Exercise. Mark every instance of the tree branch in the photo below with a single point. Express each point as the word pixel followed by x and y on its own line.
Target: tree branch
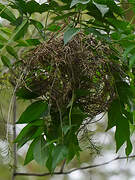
pixel 70 171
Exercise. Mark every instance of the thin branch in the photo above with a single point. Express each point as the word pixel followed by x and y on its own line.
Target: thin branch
pixel 76 169
pixel 14 137
pixel 63 165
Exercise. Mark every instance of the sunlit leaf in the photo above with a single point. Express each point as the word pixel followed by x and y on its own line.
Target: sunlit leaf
pixel 74 2
pixel 71 32
pixel 102 8
pixel 20 30
pixel 12 51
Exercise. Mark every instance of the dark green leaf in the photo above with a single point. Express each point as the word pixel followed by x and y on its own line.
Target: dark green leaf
pixel 65 129
pixel 63 16
pixel 26 131
pixel 53 28
pixel 73 147
pixel 27 137
pixel 33 112
pixel 129 147
pixel 77 118
pixel 24 93
pixel 69 34
pixel 6 13
pixel 113 113
pixel 122 131
pixel 33 42
pixel 33 6
pixel 82 92
pixel 6 61
pixel 37 24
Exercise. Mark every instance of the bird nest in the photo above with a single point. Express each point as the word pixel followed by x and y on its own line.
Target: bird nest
pixel 81 68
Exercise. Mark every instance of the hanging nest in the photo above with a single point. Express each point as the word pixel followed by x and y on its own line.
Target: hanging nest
pixel 81 67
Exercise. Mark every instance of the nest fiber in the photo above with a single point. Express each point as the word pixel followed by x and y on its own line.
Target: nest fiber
pixel 81 68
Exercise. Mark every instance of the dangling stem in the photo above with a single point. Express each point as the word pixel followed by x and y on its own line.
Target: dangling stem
pixel 70 111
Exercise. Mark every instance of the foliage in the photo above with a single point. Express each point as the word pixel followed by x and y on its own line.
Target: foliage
pixel 53 130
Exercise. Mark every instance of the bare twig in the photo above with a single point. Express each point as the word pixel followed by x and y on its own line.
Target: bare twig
pixel 63 165
pixel 14 136
pixel 76 169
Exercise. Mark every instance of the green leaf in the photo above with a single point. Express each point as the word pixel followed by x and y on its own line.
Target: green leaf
pixel 129 148
pixel 20 31
pixel 27 137
pixel 33 112
pixel 26 131
pixel 24 93
pixel 69 34
pixel 82 92
pixel 113 113
pixel 22 43
pixel 74 2
pixel 6 61
pixel 3 39
pixel 6 13
pixel 118 24
pixel 59 153
pixel 65 129
pixel 73 147
pixel 29 156
pixel 128 49
pixel 6 30
pixel 77 118
pixel 122 133
pixel 33 42
pixel 11 51
pixel 39 26
pixel 28 42
pixel 102 8
pixel 33 6
pixel 53 28
pixel 132 61
pixel 40 151
pixel 29 132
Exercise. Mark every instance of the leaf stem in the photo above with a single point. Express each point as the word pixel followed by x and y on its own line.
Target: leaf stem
pixel 70 111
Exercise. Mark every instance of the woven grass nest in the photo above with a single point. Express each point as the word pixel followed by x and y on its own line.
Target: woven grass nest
pixel 81 67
